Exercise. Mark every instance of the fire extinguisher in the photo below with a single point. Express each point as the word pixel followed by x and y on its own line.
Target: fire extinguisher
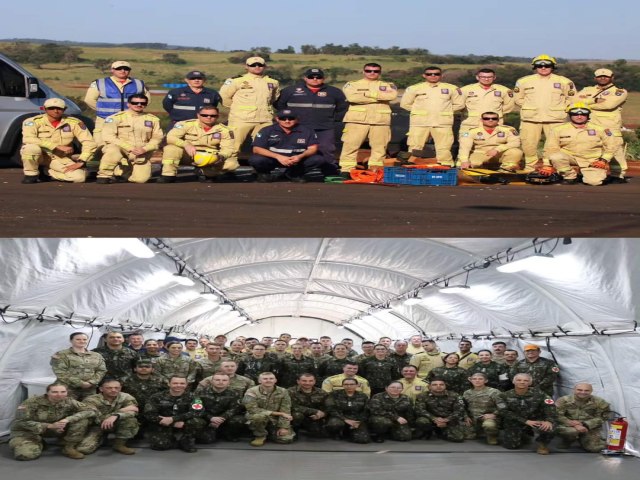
pixel 616 435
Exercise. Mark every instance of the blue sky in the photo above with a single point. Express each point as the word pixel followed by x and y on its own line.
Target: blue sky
pixel 564 28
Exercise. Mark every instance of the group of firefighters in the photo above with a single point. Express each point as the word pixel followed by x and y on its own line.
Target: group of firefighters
pixel 293 129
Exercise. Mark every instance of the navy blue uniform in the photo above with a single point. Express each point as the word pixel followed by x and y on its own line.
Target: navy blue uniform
pixel 320 111
pixel 275 139
pixel 183 103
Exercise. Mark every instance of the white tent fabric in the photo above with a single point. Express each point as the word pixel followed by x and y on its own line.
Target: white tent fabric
pixel 581 307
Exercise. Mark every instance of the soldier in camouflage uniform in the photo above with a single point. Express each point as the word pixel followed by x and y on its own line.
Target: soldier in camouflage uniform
pixel 51 415
pixel 222 411
pixel 268 411
pixel 580 417
pixel 367 351
pixel 347 413
pixel 481 402
pixel 237 383
pixel 497 373
pixel 307 405
pixel 177 365
pixel 543 371
pixel 80 370
pixel 335 365
pixel 118 359
pixel 236 351
pixel 143 383
pixel 378 369
pixel 391 413
pixel 318 357
pixel 115 413
pixel 457 378
pixel 151 351
pixel 174 416
pixel 253 365
pixel 294 365
pixel 498 348
pixel 440 411
pixel 400 357
pixel 210 364
pixel 523 409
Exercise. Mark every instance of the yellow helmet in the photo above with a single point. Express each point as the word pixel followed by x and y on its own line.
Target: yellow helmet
pixel 544 58
pixel 579 108
pixel 204 157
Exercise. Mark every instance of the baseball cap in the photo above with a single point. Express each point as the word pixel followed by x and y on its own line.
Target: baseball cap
pixel 603 72
pixel 286 113
pixel 120 63
pixel 55 102
pixel 530 346
pixel 251 60
pixel 195 74
pixel 314 71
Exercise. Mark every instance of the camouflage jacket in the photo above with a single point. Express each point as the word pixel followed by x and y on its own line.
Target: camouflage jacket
pixel 258 401
pixel 182 366
pixel 143 389
pixel 592 412
pixel 318 362
pixel 479 402
pixel 153 358
pixel 73 368
pixel 332 367
pixel 497 373
pixel 400 362
pixel 119 363
pixel 180 408
pixel 223 404
pixel 449 405
pixel 208 367
pixel 544 373
pixel 105 409
pixel 342 406
pixel 237 383
pixel 457 379
pixel 533 405
pixel 307 403
pixel 379 373
pixel 35 413
pixel 252 367
pixel 291 367
pixel 382 405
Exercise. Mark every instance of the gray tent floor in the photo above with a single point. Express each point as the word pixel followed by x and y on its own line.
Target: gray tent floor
pixel 320 459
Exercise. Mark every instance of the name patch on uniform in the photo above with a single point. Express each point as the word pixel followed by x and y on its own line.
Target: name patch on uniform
pixel 418 388
pixel 557 85
pixel 301 140
pixel 322 94
pixel 382 88
pixel 444 90
pixel 497 94
pixel 501 134
pixel 148 123
pixel 66 128
pixel 206 100
pixel 217 135
pixel 591 132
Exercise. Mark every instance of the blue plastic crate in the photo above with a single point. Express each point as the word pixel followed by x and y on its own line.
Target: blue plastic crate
pixel 421 176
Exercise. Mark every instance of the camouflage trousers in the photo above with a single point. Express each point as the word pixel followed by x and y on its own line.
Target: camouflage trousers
pixel 164 438
pixel 337 428
pixel 28 446
pixel 264 425
pixel 515 434
pixel 124 429
pixel 81 393
pixel 481 427
pixel 232 429
pixel 591 441
pixel 453 432
pixel 383 426
pixel 314 428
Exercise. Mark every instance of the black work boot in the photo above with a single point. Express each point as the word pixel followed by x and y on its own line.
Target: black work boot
pixel 166 179
pixel 188 444
pixel 30 179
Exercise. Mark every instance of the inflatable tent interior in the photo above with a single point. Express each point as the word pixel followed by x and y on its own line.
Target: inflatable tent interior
pixel 578 299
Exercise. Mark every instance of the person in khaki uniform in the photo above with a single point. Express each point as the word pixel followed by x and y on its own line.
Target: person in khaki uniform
pixel 542 98
pixel 605 101
pixel 432 104
pixel 203 134
pixel 368 116
pixel 485 96
pixel 581 143
pixel 48 140
pixel 109 95
pixel 250 98
pixel 131 137
pixel 490 142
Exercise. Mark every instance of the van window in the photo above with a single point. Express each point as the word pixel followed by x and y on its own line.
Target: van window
pixel 12 83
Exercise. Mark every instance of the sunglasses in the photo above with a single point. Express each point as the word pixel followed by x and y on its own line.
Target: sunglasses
pixel 138 103
pixel 55 108
pixel 315 77
pixel 578 114
pixel 371 71
pixel 205 115
pixel 432 74
pixel 287 119
pixel 196 78
pixel 491 118
pixel 543 65
pixel 256 65
pixel 123 68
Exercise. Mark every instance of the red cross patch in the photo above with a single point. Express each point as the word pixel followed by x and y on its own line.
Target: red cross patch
pixel 548 401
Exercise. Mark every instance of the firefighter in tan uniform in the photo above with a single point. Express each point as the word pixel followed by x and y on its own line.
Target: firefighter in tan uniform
pixel 48 140
pixel 485 96
pixel 250 98
pixel 368 116
pixel 432 104
pixel 131 137
pixel 490 142
pixel 209 146
pixel 605 101
pixel 581 143
pixel 109 95
pixel 542 98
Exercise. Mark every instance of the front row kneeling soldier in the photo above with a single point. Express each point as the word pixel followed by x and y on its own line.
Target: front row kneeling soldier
pixel 48 141
pixel 579 143
pixel 490 142
pixel 290 145
pixel 202 141
pixel 131 137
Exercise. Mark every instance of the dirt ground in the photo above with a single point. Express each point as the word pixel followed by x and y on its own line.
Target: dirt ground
pixel 189 208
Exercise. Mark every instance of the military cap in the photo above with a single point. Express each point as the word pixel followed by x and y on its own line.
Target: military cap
pixel 120 63
pixel 603 72
pixel 530 346
pixel 251 60
pixel 314 71
pixel 55 102
pixel 195 74
pixel 286 113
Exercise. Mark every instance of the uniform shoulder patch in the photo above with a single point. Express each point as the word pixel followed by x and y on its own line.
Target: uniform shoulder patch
pixel 516 90
pixel 555 369
pixel 28 123
pixel 109 120
pixel 515 132
pixel 228 81
pixel 548 401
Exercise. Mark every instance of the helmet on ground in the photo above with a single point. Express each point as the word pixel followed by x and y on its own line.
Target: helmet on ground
pixel 204 157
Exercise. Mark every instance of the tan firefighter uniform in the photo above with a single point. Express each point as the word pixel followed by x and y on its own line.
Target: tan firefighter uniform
pixel 218 139
pixel 478 100
pixel 432 106
pixel 475 143
pixel 123 132
pixel 369 116
pixel 250 100
pixel 542 101
pixel 569 145
pixel 40 138
pixel 606 104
